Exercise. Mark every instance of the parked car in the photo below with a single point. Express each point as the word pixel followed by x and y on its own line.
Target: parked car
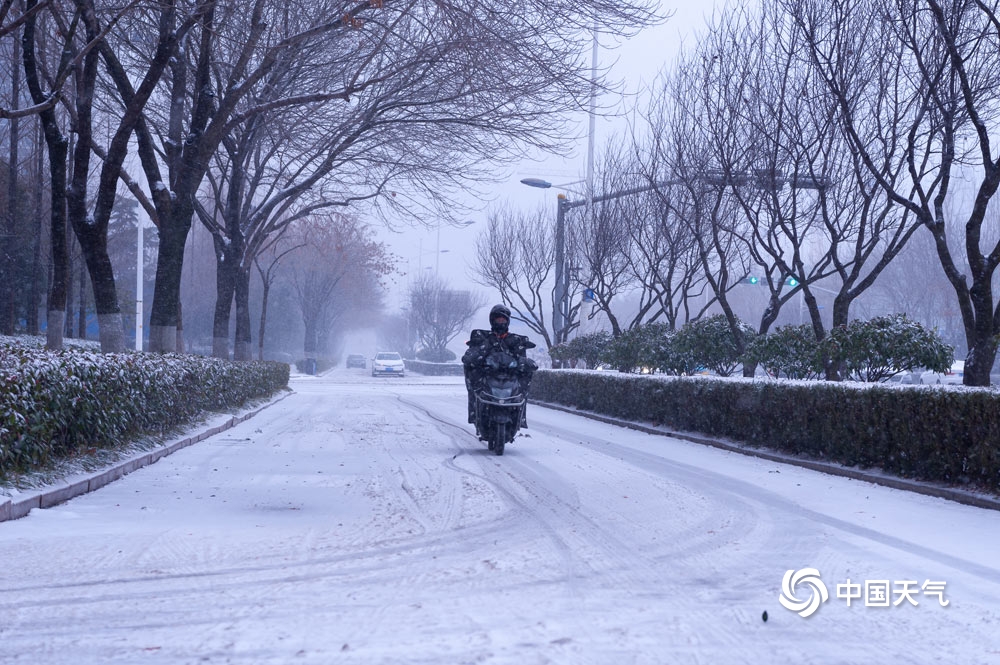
pixel 905 377
pixel 355 360
pixel 388 363
pixel 953 376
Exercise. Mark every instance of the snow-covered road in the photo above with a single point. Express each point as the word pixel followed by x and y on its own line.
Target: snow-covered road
pixel 359 521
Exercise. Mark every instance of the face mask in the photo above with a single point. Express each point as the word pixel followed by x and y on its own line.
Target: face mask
pixel 500 327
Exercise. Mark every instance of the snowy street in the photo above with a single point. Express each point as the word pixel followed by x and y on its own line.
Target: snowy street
pixel 360 521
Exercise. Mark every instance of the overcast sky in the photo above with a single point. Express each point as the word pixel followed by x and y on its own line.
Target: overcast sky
pixel 635 64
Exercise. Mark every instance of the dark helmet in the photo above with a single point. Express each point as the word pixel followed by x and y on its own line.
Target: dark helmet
pixel 495 313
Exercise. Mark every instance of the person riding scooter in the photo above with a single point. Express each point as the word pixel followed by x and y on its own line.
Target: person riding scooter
pixel 483 342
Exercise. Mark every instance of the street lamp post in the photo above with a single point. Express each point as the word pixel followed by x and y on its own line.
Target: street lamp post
pixel 560 295
pixel 560 314
pixel 437 248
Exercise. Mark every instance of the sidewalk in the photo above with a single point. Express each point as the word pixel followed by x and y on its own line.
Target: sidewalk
pixel 12 508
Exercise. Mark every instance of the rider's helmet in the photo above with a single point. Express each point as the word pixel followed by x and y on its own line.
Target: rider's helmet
pixel 499 319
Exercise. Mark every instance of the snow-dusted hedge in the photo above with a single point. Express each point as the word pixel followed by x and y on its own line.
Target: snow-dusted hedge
pixel 950 435
pixel 54 404
pixel 433 369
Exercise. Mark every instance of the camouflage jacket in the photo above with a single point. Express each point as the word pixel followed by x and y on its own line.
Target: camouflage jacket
pixel 482 342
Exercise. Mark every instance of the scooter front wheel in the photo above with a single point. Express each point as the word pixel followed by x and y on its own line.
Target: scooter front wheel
pixel 499 438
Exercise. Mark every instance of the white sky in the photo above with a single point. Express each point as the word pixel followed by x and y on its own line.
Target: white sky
pixel 635 63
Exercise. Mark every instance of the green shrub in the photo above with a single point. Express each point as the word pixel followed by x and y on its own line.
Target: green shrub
pixel 56 403
pixel 648 347
pixel 711 344
pixel 876 349
pixel 589 348
pixel 791 352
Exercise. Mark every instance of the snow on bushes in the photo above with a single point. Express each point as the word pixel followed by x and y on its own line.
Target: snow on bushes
pixel 53 404
pixel 871 350
pixel 879 348
pixel 791 352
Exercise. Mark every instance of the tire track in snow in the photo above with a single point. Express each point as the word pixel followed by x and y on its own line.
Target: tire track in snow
pixel 770 502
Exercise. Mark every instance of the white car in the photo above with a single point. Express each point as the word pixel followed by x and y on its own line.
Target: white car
pixel 953 376
pixel 388 363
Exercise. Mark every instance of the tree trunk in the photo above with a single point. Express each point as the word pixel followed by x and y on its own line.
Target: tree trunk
pixel 982 338
pixel 101 272
pixel 58 152
pixel 767 320
pixel 841 317
pixel 35 300
pixel 8 268
pixel 81 321
pixel 164 315
pixel 266 288
pixel 68 310
pixel 91 232
pixel 179 334
pixel 225 287
pixel 309 341
pixel 242 346
pixel 830 368
pixel 229 255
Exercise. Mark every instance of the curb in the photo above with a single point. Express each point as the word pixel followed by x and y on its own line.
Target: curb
pixel 12 509
pixel 941 492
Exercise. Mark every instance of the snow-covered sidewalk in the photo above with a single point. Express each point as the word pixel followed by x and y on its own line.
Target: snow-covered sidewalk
pixel 359 521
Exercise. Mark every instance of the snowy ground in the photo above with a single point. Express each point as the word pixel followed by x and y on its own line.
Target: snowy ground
pixel 358 521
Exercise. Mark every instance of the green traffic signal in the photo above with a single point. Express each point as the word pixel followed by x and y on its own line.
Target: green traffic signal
pixel 791 281
pixel 749 280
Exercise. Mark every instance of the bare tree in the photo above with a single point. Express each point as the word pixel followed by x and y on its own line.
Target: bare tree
pixel 600 238
pixel 693 143
pixel 81 31
pixel 812 211
pixel 451 85
pixel 58 148
pixel 8 260
pixel 438 313
pixel 515 255
pixel 336 273
pixel 270 171
pixel 665 260
pixel 948 79
pixel 271 258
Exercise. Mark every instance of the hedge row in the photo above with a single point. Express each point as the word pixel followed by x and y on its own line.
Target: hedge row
pixel 53 404
pixel 433 369
pixel 929 433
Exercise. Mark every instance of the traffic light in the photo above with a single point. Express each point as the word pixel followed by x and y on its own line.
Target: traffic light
pixel 791 281
pixel 750 280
